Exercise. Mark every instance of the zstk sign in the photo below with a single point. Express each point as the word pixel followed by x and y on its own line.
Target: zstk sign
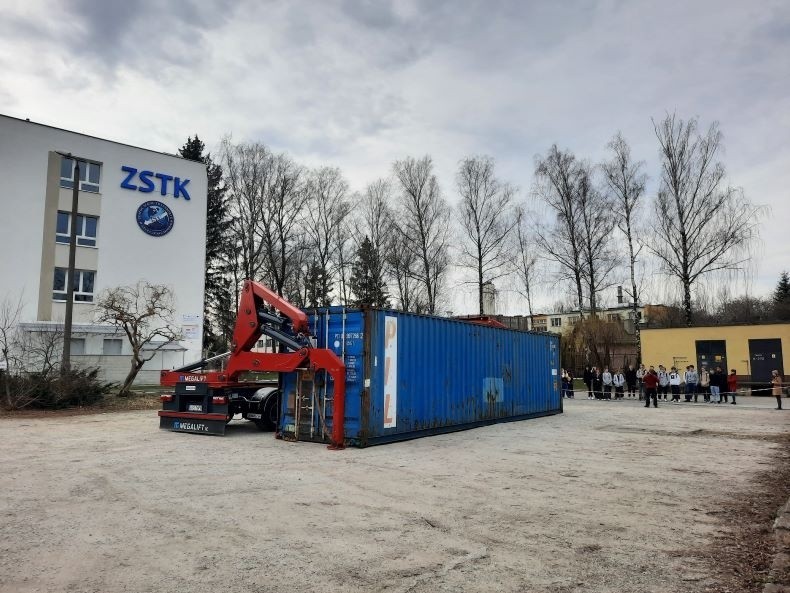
pixel 147 181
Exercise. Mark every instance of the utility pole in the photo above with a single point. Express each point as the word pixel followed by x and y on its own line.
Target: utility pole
pixel 65 364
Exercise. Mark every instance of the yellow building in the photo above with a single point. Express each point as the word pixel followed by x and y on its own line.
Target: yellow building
pixel 752 350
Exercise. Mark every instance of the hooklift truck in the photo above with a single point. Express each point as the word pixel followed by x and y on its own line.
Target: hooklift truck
pixel 203 401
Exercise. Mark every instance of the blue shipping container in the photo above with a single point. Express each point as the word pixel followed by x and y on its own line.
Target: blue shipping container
pixel 413 375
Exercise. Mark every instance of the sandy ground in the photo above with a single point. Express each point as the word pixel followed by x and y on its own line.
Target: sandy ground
pixel 606 497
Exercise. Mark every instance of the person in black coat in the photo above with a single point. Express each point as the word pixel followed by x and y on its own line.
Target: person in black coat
pixel 597 383
pixel 630 380
pixel 587 378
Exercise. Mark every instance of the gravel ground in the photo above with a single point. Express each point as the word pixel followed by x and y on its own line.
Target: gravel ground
pixel 606 497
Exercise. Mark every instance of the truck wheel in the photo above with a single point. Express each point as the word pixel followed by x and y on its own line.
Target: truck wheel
pixel 268 420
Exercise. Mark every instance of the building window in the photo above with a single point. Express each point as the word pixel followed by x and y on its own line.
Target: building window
pixel 556 322
pixel 573 320
pixel 83 285
pixel 87 228
pixel 90 175
pixel 112 346
pixel 77 346
pixel 614 317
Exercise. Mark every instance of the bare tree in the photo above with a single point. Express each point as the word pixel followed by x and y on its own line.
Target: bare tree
pixel 144 312
pixel 424 227
pixel 326 210
pixel 10 312
pixel 486 217
pixel 625 182
pixel 41 348
pixel 267 199
pixel 702 225
pixel 597 223
pixel 345 253
pixel 525 257
pixel 248 172
pixel 283 238
pixel 401 265
pixel 374 215
pixel 558 176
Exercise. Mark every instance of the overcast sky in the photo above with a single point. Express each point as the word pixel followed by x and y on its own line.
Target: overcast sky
pixel 357 84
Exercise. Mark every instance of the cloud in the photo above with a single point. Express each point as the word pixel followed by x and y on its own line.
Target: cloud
pixel 359 83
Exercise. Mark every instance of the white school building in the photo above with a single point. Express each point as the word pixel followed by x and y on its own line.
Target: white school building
pixel 142 216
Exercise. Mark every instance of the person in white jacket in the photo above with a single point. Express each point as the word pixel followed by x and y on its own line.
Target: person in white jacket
pixel 618 380
pixel 640 375
pixel 674 384
pixel 663 382
pixel 606 378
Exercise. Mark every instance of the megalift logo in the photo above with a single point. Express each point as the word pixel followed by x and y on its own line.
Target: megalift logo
pixel 192 378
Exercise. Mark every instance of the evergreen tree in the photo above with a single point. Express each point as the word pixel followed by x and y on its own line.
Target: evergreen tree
pixel 782 292
pixel 318 286
pixel 781 300
pixel 218 297
pixel 367 277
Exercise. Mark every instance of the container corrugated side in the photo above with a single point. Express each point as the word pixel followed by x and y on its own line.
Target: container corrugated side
pixel 413 375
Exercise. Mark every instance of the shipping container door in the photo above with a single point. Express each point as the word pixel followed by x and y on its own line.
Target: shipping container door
pixel 765 356
pixel 712 354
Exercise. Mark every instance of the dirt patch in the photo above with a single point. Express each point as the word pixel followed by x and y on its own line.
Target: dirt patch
pixel 699 432
pixel 562 504
pixel 143 400
pixel 744 552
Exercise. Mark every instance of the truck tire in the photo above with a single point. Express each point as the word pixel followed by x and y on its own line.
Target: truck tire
pixel 270 409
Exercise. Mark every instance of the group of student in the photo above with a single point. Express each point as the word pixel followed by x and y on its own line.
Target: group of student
pixel 648 384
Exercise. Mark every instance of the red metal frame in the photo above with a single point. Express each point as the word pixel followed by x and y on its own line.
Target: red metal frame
pixel 483 320
pixel 246 334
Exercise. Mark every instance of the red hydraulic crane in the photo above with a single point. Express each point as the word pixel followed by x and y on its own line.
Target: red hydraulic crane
pixel 204 401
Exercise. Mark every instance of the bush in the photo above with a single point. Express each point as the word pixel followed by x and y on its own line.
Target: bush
pixel 78 387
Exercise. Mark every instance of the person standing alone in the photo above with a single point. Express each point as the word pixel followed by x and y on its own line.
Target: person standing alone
pixel 776 388
pixel 650 380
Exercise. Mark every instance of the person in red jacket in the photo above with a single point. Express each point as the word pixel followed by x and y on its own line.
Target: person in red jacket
pixel 732 385
pixel 650 381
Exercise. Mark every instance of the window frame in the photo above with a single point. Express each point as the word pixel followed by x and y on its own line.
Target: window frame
pixel 83 239
pixel 80 295
pixel 556 322
pixel 86 170
pixel 76 345
pixel 113 340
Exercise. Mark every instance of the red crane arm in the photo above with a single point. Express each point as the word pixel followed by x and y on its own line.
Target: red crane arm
pixel 247 330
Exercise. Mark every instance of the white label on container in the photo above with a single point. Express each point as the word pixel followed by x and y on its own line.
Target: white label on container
pixel 553 372
pixel 390 371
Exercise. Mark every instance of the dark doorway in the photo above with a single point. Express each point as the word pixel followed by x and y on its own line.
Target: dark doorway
pixel 712 354
pixel 764 357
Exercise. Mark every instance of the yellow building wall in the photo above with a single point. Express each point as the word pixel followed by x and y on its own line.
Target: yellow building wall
pixel 677 346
